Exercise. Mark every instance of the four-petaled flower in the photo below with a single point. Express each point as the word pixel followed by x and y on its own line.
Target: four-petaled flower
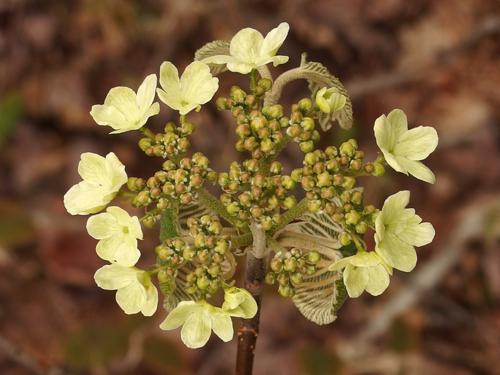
pixel 135 291
pixel 364 271
pixel 249 50
pixel 329 100
pixel 196 86
pixel 124 110
pixel 102 178
pixel 117 233
pixel 398 230
pixel 402 148
pixel 199 319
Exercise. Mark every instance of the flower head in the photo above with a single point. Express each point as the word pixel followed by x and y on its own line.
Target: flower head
pixel 117 233
pixel 398 230
pixel 329 100
pixel 199 319
pixel 135 291
pixel 102 178
pixel 249 50
pixel 402 148
pixel 364 271
pixel 196 86
pixel 125 110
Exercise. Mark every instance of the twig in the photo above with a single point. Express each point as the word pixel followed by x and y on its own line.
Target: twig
pixel 254 279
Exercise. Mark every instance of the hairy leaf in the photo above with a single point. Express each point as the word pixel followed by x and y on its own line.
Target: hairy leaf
pixel 217 47
pixel 321 295
pixel 320 77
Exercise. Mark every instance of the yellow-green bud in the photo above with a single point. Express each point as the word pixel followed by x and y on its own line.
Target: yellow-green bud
pixel 324 179
pixel 345 239
pixel 352 217
pixel 305 105
pixel 313 257
pixel 307 146
pixel 378 169
pixel 290 202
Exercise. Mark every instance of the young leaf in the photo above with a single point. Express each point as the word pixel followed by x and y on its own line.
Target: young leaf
pixel 320 295
pixel 217 47
pixel 320 77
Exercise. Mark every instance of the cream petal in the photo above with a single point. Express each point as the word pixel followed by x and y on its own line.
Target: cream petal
pixel 131 298
pixel 151 304
pixel 171 98
pixel 115 276
pixel 101 226
pixel 418 234
pixel 146 93
pixel 169 78
pixel 339 264
pixel 116 176
pixel 246 45
pixel 240 67
pixel 222 326
pixel 84 199
pixel 239 303
pixel 365 259
pixel 399 123
pixel 396 253
pixel 184 110
pixel 197 329
pixel 92 167
pixel 124 100
pixel 417 143
pixel 417 170
pixel 378 280
pixel 120 249
pixel 106 115
pixel 179 314
pixel 197 84
pixel 355 280
pixel 274 39
pixel 394 205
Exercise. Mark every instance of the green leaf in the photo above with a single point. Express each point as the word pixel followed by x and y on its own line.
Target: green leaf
pixel 217 47
pixel 320 77
pixel 321 295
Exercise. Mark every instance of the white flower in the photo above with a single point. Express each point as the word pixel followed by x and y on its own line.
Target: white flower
pixel 402 148
pixel 398 230
pixel 196 86
pixel 199 319
pixel 124 110
pixel 117 233
pixel 364 271
pixel 249 50
pixel 135 291
pixel 102 178
pixel 330 100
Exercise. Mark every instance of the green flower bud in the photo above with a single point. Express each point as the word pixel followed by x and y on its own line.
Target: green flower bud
pixel 347 149
pixel 276 264
pixel 266 145
pixel 357 197
pixel 270 278
pixel 286 291
pixel 275 111
pixel 258 123
pixel 345 239
pixel 290 202
pixel 306 146
pixel 221 247
pixel 307 183
pixel 361 227
pixel 307 124
pixel 163 276
pixel 352 217
pixel 267 223
pixel 265 83
pixel 324 179
pixel 314 205
pixel 276 167
pixel 256 212
pixel 149 221
pixel 202 282
pixel 296 175
pixel 187 128
pixel 144 143
pixel 305 105
pixel 233 209
pixel 283 279
pixel 296 278
pixel 310 158
pixel 379 169
pixel 313 257
pixel 237 95
pixel 349 182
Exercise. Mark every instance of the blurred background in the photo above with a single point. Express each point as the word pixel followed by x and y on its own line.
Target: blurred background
pixel 437 60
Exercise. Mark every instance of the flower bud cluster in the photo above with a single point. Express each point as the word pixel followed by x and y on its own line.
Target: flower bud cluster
pixel 206 254
pixel 259 131
pixel 250 195
pixel 174 141
pixel 302 126
pixel 328 174
pixel 177 181
pixel 289 269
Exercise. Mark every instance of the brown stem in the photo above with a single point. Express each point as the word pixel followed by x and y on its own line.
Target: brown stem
pixel 254 280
